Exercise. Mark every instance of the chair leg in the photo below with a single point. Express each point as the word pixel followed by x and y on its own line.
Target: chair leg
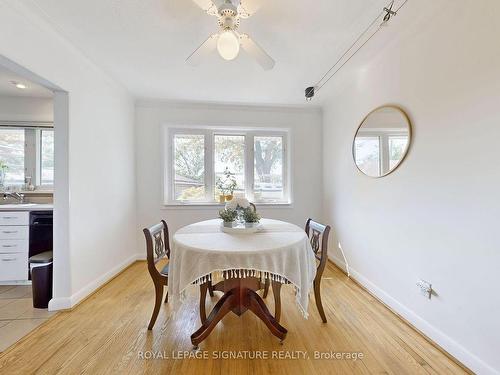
pixel 166 298
pixel 266 288
pixel 277 300
pixel 210 289
pixel 203 297
pixel 159 298
pixel 317 297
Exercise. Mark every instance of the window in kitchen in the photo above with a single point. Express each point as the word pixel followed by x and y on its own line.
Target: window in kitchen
pixel 46 157
pixel 205 164
pixel 26 153
pixel 11 156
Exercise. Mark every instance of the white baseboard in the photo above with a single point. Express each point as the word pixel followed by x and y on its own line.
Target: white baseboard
pixel 449 345
pixel 65 303
pixel 61 303
pixel 21 282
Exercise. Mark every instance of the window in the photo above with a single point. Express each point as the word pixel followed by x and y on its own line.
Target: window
pixel 268 164
pixel 12 156
pixel 199 160
pixel 26 153
pixel 189 167
pixel 230 155
pixel 47 157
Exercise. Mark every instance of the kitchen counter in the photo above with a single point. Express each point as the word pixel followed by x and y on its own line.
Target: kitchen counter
pixel 26 207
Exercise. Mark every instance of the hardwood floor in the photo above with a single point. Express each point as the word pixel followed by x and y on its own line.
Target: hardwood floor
pixel 107 333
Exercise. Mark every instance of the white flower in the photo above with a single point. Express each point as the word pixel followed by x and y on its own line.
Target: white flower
pixel 234 203
pixel 231 205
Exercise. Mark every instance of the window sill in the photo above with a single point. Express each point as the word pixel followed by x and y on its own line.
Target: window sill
pixel 211 206
pixel 30 192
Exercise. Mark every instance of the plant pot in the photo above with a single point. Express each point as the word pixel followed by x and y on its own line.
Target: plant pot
pixel 229 197
pixel 251 225
pixel 228 224
pixel 222 198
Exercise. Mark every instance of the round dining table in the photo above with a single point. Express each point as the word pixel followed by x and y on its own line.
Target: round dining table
pixel 279 252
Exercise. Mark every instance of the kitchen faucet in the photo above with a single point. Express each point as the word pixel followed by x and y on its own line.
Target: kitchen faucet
pixel 18 196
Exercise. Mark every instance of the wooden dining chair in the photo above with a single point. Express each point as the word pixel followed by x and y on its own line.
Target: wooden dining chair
pixel 318 237
pixel 157 248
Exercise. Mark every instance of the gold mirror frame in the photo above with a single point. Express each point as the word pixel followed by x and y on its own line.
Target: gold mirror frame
pixel 408 145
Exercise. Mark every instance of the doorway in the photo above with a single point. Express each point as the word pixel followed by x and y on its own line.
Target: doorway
pixel 34 201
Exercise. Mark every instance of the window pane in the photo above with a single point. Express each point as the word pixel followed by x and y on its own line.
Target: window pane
pixel 230 155
pixel 12 156
pixel 367 153
pixel 189 167
pixel 397 147
pixel 47 157
pixel 268 171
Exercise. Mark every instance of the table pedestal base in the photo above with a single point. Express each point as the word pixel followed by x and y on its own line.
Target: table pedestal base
pixel 239 296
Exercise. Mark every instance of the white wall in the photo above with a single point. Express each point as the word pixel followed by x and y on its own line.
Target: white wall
pixel 101 216
pixel 152 116
pixel 19 108
pixel 437 216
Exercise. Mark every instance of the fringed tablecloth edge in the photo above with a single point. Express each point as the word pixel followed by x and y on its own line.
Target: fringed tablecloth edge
pixel 243 273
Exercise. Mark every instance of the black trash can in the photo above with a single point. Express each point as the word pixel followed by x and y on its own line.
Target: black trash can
pixel 41 279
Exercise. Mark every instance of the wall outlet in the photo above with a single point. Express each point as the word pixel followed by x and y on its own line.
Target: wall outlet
pixel 425 288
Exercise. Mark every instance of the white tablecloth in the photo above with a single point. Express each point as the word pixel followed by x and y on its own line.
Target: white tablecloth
pixel 278 251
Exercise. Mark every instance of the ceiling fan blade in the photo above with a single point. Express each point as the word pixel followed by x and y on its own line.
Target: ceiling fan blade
pixel 249 7
pixel 204 4
pixel 208 6
pixel 256 51
pixel 203 50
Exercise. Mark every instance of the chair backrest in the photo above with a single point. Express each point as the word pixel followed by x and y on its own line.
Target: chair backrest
pixel 157 244
pixel 318 236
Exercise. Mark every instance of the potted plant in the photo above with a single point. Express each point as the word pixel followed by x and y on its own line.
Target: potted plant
pixel 231 186
pixel 226 185
pixel 228 215
pixel 219 184
pixel 250 217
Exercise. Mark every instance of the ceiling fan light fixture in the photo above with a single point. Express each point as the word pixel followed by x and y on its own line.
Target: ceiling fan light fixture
pixel 228 45
pixel 19 85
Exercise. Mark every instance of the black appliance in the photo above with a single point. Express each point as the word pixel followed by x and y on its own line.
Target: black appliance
pixel 40 232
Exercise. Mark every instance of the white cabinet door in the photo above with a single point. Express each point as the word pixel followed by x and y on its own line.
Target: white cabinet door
pixel 13 266
pixel 14 218
pixel 14 232
pixel 14 246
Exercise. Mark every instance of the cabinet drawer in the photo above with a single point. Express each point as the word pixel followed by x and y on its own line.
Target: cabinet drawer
pixel 14 232
pixel 13 267
pixel 14 246
pixel 14 218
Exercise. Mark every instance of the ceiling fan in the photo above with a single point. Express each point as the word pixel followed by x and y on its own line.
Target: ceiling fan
pixel 228 40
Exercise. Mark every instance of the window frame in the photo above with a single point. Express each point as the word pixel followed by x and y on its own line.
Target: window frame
pixel 209 133
pixel 32 155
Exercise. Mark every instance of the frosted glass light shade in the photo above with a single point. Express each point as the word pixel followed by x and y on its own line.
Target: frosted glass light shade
pixel 228 45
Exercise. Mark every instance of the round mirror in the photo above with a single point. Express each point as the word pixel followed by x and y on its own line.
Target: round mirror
pixel 382 141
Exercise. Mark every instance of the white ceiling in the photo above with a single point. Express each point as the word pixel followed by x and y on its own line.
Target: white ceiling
pixel 31 90
pixel 144 43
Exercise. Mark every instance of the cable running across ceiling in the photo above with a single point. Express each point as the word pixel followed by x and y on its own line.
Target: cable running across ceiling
pixel 389 13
